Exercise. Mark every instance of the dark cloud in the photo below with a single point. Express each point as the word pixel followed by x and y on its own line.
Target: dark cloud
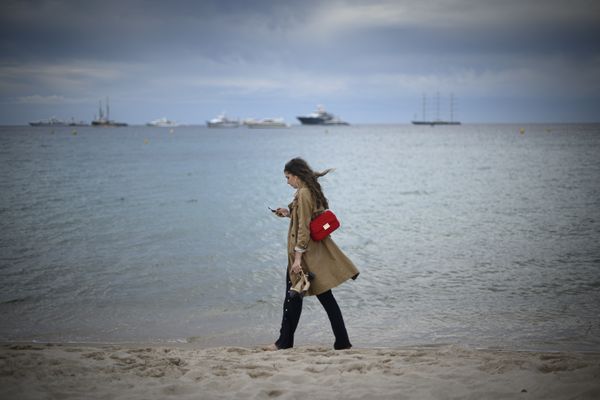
pixel 116 30
pixel 53 53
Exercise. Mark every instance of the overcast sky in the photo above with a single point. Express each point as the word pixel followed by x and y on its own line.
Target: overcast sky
pixel 366 61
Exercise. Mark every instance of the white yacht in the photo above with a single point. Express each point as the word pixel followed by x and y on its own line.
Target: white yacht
pixel 266 123
pixel 163 123
pixel 223 122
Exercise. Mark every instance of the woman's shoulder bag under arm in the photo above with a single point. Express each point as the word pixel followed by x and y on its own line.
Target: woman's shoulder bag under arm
pixel 322 225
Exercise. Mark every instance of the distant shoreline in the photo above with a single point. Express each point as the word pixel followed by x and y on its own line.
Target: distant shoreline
pixel 408 123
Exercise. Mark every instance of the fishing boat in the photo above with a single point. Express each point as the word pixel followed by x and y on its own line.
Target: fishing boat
pixel 321 117
pixel 104 120
pixel 222 121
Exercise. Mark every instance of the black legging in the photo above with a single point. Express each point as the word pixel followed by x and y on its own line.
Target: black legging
pixel 292 308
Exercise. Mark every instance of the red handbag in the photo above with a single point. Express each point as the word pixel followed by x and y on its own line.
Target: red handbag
pixel 323 224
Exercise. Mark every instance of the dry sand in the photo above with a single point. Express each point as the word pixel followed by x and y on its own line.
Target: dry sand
pixel 184 372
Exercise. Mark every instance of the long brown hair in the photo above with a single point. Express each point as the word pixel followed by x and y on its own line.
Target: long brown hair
pixel 297 166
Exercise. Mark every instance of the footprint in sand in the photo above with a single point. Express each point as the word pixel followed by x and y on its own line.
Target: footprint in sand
pixel 96 355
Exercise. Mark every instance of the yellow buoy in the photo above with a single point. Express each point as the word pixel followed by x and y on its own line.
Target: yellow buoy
pixel 522 131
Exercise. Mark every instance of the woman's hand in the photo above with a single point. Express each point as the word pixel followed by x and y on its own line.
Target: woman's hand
pixel 296 267
pixel 282 212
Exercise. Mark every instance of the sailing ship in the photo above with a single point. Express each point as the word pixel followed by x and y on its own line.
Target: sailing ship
pixel 437 120
pixel 104 120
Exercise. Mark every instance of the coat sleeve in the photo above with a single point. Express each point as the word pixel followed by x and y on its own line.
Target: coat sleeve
pixel 305 211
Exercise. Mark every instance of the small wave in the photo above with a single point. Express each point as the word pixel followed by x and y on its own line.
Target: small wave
pixel 414 193
pixel 15 301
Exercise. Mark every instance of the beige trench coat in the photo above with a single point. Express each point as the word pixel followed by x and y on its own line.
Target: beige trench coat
pixel 323 258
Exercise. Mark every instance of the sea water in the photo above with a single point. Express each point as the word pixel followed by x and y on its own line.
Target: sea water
pixel 479 235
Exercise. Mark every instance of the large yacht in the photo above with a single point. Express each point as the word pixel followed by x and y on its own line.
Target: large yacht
pixel 321 117
pixel 162 123
pixel 222 121
pixel 266 123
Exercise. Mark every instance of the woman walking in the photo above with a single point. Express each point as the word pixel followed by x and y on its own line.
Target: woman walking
pixel 322 260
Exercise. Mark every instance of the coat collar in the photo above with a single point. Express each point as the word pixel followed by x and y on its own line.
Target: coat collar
pixel 301 185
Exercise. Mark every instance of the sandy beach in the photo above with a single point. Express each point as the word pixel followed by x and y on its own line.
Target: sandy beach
pixel 51 371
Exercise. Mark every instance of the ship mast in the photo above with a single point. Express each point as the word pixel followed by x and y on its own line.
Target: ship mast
pixel 451 107
pixel 437 106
